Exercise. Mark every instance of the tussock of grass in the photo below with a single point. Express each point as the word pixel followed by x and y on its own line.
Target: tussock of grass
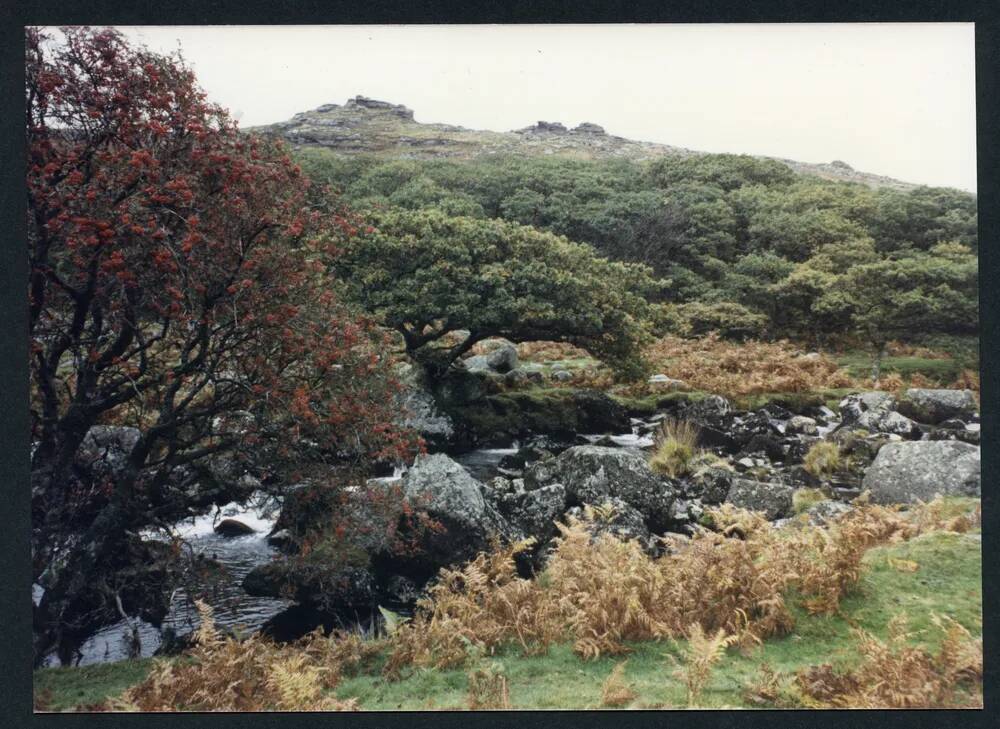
pixel 676 446
pixel 804 499
pixel 823 459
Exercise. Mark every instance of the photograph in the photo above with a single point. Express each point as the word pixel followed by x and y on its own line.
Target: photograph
pixel 502 367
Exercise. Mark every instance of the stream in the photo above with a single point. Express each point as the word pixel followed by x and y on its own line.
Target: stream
pixel 233 608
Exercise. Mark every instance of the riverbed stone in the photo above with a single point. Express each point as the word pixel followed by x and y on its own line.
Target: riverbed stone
pixel 233 528
pixel 906 472
pixel 936 406
pixel 771 498
pixel 593 474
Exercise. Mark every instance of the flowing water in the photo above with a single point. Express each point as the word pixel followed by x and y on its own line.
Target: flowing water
pixel 232 607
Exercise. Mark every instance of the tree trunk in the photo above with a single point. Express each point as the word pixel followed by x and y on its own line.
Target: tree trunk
pixel 878 354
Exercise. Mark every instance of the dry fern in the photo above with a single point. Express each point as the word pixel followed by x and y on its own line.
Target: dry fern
pixel 700 654
pixel 225 674
pixel 614 691
pixel 895 673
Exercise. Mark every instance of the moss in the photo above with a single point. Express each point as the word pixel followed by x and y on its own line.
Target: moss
pixel 556 411
pixel 648 405
pixel 796 402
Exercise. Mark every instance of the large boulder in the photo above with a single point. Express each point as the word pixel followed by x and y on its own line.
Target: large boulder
pixel 533 513
pixel 460 522
pixel 233 528
pixel 420 411
pixel 711 485
pixel 937 406
pixel 593 474
pixel 503 358
pixel 910 471
pixel 331 587
pixel 105 448
pixel 773 499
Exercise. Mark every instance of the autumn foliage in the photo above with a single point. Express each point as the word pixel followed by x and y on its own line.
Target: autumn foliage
pixel 176 286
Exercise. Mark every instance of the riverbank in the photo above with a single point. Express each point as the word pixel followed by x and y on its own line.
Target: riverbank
pixel 937 572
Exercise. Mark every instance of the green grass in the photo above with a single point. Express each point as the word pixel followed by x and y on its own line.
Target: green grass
pixel 947 581
pixel 67 687
pixel 795 401
pixel 942 371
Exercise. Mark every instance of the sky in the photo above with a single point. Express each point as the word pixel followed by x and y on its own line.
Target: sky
pixel 891 99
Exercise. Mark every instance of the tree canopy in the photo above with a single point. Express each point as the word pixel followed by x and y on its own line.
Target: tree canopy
pixel 428 275
pixel 729 229
pixel 175 288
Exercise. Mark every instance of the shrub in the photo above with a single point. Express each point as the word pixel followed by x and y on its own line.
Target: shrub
pixel 823 459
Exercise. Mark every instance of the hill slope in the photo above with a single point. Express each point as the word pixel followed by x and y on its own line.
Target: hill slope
pixel 364 125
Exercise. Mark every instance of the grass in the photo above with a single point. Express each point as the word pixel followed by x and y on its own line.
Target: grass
pixel 804 499
pixel 823 459
pixel 937 572
pixel 947 581
pixel 58 689
pixel 676 446
pixel 941 370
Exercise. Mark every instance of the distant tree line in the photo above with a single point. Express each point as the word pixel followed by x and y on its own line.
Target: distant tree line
pixel 745 246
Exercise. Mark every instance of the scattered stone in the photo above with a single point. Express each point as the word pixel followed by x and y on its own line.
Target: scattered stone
pixel 562 375
pixel 826 511
pixel 233 528
pixel 801 424
pixel 773 499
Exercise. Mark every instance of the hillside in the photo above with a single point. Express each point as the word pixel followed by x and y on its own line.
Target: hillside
pixel 364 125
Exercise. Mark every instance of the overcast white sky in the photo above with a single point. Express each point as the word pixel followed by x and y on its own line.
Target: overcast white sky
pixel 893 99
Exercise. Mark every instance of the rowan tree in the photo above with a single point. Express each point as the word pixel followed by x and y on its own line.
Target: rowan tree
pixel 176 287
